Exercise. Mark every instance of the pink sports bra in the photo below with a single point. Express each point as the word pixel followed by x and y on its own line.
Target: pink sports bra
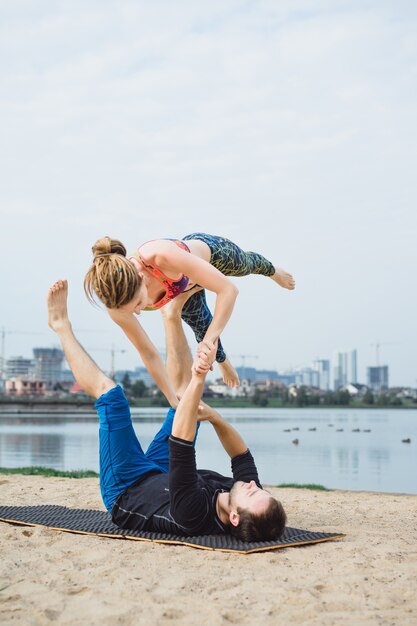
pixel 172 287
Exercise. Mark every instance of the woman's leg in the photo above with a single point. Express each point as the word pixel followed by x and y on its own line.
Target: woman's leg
pixel 231 260
pixel 198 316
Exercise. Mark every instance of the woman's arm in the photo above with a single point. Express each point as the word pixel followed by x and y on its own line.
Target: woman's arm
pixel 149 354
pixel 172 260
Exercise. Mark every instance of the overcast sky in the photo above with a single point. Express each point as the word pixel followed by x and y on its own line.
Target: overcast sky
pixel 287 126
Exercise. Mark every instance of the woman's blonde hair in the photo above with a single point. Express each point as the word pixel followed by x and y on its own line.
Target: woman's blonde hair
pixel 112 277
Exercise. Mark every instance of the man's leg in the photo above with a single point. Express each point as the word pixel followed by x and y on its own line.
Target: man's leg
pixel 86 372
pixel 179 358
pixel 178 365
pixel 122 461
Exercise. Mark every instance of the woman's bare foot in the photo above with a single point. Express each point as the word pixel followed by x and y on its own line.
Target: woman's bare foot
pixel 229 374
pixel 206 412
pixel 174 308
pixel 57 306
pixel 283 279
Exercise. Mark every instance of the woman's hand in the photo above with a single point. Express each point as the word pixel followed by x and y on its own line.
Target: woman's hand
pixel 204 359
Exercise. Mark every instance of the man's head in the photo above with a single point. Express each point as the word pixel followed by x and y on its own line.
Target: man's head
pixel 254 514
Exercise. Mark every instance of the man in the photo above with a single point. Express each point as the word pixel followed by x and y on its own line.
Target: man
pixel 161 490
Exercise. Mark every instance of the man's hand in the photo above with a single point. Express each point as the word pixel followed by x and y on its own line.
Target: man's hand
pixel 204 359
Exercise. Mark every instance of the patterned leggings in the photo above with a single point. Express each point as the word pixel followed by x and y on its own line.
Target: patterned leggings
pixel 230 260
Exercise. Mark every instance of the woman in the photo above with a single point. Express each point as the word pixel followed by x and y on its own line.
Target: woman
pixel 163 269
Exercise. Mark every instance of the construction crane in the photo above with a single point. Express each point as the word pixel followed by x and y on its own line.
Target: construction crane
pixel 377 346
pixel 243 364
pixel 113 351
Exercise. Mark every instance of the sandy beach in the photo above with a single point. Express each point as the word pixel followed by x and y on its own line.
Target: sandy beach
pixel 369 577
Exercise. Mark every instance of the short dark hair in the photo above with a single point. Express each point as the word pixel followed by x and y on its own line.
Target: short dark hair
pixel 266 526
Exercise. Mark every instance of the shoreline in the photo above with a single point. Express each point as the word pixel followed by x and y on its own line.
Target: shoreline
pixel 51 407
pixel 366 578
pixel 48 472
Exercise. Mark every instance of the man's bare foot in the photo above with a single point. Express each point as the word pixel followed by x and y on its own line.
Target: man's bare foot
pixel 283 279
pixel 229 374
pixel 174 308
pixel 57 306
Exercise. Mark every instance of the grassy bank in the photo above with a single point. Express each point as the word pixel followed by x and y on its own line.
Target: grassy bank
pixel 47 471
pixel 85 405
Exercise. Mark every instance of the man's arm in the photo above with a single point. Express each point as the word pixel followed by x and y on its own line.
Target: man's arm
pixel 188 502
pixel 230 439
pixel 185 420
pixel 243 464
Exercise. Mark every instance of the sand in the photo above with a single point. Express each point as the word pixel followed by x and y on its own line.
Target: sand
pixel 369 577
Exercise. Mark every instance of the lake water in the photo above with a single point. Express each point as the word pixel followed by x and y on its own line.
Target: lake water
pixel 371 461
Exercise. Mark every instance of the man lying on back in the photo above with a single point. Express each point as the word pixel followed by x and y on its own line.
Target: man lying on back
pixel 162 490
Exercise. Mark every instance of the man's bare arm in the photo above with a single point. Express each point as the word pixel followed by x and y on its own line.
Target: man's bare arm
pixel 185 420
pixel 230 439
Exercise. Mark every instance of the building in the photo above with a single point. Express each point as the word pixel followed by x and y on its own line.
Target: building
pixel 19 367
pixel 355 389
pixel 24 388
pixel 345 369
pixel 48 365
pixel 219 388
pixel 377 377
pixel 253 375
pixel 139 373
pixel 262 375
pixel 308 377
pixel 287 379
pixel 339 371
pixel 67 377
pixel 322 366
pixel 246 373
pixel 353 370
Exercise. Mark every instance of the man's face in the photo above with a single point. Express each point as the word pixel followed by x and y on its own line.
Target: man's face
pixel 249 496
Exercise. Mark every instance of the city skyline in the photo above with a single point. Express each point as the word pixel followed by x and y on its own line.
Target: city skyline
pixel 316 374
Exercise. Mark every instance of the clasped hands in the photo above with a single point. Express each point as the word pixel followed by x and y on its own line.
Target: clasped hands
pixel 205 357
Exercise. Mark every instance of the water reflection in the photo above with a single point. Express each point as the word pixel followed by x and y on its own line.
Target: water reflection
pixel 32 449
pixel 348 461
pixel 375 460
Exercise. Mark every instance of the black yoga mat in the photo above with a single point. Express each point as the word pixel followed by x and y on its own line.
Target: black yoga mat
pixel 98 523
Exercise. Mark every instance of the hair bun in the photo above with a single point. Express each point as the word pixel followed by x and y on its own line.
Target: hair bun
pixel 106 245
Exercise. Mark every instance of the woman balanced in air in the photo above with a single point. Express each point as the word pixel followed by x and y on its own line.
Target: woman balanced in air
pixel 162 269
